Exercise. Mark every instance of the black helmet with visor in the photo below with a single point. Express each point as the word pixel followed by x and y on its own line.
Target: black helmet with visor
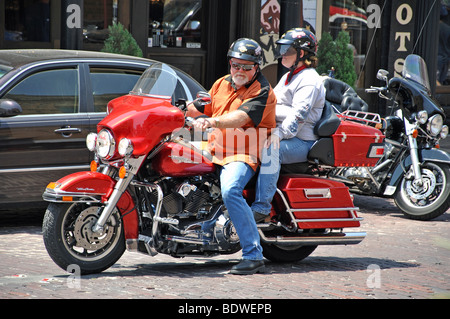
pixel 298 39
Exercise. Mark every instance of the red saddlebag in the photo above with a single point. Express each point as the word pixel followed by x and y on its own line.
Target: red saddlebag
pixel 317 202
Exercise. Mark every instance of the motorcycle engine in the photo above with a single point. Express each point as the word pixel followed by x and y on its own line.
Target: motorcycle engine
pixel 189 198
pixel 196 204
pixel 360 177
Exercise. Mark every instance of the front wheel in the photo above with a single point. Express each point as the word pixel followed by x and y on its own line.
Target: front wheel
pixel 429 200
pixel 69 240
pixel 286 254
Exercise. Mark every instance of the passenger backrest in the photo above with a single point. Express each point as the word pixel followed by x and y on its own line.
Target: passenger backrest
pixel 342 96
pixel 328 123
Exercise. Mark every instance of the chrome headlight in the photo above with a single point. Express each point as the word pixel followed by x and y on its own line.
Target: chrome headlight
pixel 444 132
pixel 435 124
pixel 422 117
pixel 91 141
pixel 125 147
pixel 106 145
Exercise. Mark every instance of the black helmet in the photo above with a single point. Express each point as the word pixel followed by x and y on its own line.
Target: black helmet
pixel 246 49
pixel 298 38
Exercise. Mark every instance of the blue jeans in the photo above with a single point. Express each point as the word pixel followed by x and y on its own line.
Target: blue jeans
pixel 292 150
pixel 233 179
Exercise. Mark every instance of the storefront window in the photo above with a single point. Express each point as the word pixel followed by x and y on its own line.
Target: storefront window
pixel 175 23
pixel 27 20
pixel 98 15
pixel 351 16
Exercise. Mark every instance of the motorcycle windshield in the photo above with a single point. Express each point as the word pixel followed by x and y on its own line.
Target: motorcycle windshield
pixel 159 80
pixel 415 69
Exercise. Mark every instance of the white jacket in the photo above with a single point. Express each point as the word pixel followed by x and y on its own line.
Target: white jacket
pixel 299 105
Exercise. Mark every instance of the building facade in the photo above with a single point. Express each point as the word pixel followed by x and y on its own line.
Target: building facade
pixel 194 35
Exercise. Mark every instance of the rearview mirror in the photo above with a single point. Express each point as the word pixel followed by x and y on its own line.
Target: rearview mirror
pixel 382 75
pixel 203 98
pixel 9 108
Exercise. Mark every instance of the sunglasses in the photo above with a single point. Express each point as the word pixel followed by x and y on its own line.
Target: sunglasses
pixel 244 67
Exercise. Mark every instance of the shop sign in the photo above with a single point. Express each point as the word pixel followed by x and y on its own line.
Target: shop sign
pixel 401 35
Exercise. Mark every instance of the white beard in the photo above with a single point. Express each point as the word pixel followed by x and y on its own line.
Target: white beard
pixel 240 79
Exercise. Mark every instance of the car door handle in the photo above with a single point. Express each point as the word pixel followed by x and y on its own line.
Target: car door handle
pixel 67 131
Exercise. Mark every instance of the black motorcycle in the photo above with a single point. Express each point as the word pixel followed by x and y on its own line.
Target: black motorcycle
pixel 412 169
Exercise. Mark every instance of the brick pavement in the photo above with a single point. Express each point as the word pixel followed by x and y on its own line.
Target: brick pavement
pixel 399 259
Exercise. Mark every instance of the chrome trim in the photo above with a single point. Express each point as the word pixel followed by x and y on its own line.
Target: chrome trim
pixel 133 245
pixel 118 191
pixel 77 197
pixel 187 240
pixel 352 211
pixel 52 195
pixel 317 193
pixel 151 187
pixel 62 61
pixel 328 239
pixel 288 209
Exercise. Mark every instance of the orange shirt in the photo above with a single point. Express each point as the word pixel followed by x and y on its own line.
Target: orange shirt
pixel 244 144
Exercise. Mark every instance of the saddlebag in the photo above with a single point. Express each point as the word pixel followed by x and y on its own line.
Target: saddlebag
pixel 316 202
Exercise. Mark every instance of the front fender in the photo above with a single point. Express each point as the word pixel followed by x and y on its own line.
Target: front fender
pixel 93 187
pixel 425 155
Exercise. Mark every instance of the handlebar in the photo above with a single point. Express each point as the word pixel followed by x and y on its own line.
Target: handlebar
pixel 382 91
pixel 189 121
pixel 375 89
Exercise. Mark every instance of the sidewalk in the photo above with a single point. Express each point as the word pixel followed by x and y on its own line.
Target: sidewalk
pixel 399 259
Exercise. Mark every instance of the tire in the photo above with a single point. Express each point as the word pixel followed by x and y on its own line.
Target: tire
pixel 69 241
pixel 286 254
pixel 430 200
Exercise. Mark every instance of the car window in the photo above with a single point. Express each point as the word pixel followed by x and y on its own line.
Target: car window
pixel 4 70
pixel 47 92
pixel 107 84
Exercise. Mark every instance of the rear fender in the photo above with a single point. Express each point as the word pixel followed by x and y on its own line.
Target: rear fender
pixel 93 187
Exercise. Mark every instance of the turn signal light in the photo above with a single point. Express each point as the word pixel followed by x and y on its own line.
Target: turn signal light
pixel 122 172
pixel 52 185
pixel 415 133
pixel 94 166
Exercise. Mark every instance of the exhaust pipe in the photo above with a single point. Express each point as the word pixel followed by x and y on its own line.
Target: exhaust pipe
pixel 314 240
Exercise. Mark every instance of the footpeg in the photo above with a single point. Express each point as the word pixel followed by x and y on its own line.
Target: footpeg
pixel 166 220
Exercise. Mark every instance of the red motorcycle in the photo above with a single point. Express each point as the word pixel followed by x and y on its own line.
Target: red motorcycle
pixel 151 190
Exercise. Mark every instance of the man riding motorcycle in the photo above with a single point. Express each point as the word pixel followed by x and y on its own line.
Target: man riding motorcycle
pixel 242 103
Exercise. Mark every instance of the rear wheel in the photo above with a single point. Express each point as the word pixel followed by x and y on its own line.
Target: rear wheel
pixel 69 240
pixel 286 254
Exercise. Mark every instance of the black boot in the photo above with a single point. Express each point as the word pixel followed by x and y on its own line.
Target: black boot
pixel 248 267
pixel 259 218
